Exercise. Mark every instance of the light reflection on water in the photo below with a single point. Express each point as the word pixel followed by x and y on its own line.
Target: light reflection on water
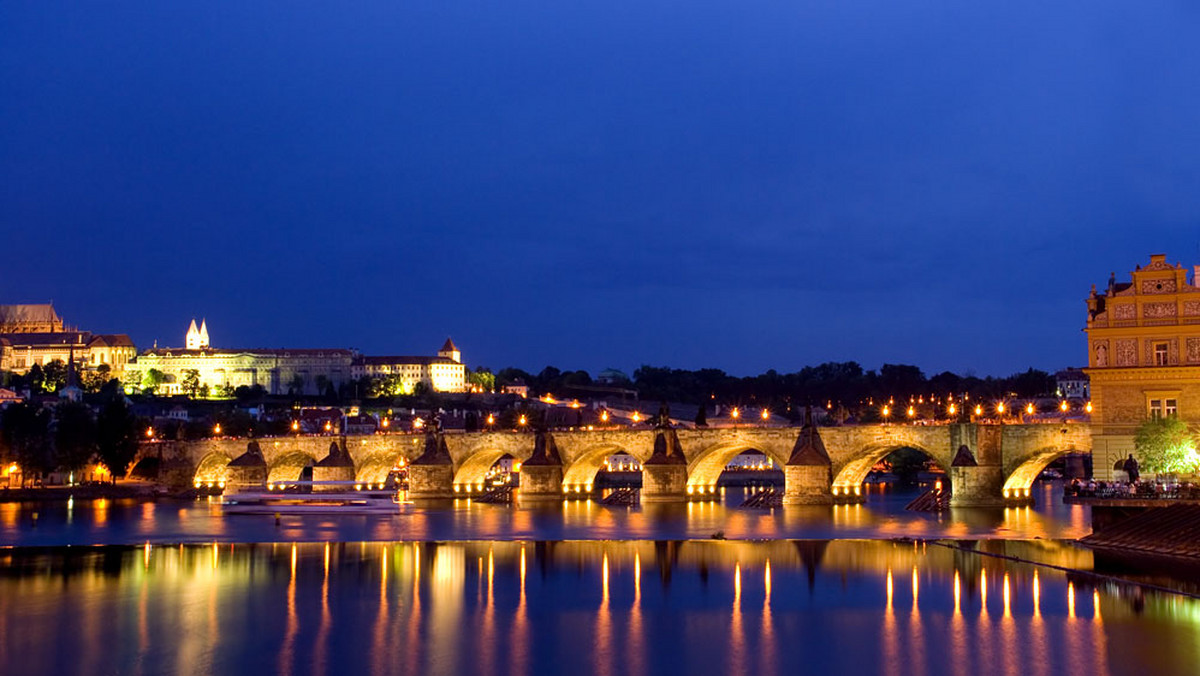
pixel 882 516
pixel 581 608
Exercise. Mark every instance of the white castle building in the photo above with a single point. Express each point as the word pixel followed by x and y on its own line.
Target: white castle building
pixel 283 371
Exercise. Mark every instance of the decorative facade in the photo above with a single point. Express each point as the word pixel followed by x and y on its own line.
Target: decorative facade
pixel 1143 355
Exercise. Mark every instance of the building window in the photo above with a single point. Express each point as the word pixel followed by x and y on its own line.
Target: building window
pixel 1160 354
pixel 1164 408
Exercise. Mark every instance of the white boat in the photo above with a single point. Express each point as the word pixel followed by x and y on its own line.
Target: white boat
pixel 357 502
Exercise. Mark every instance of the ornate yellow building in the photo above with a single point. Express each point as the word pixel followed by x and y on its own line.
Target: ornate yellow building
pixel 1143 356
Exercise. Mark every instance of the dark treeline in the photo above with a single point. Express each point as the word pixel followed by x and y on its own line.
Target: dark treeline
pixel 844 383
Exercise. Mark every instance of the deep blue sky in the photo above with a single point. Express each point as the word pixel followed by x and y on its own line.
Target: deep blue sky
pixel 744 185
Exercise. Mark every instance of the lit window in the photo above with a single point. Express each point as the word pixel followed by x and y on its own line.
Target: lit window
pixel 1160 354
pixel 1164 408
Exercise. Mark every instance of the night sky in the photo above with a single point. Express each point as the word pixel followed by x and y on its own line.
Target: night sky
pixel 743 185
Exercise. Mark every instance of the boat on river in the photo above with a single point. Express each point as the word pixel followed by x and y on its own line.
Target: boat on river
pixel 355 502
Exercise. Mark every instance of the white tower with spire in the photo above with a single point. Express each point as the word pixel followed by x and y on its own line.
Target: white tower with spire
pixel 197 338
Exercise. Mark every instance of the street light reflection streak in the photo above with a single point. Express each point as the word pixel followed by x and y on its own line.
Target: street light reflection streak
pixel 768 649
pixel 602 648
pixel 891 650
pixel 519 660
pixel 321 644
pixel 287 648
pixel 634 638
pixel 737 638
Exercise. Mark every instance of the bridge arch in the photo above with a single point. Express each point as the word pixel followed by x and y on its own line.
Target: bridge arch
pixel 212 470
pixel 289 466
pixel 374 469
pixel 583 470
pixel 706 467
pixel 474 469
pixel 849 479
pixel 1020 479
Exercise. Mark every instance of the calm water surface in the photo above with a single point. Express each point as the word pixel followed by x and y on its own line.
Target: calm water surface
pixel 883 516
pixel 127 587
pixel 707 607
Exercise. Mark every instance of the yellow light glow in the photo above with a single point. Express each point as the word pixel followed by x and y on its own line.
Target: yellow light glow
pixel 522 420
pixel 603 416
pixel 385 422
pixel 1088 407
pixel 637 417
pixel 911 411
pixel 149 432
pixel 1029 408
pixel 735 414
pixel 886 411
pixel 765 414
pixel 491 419
pixel 295 425
pixel 328 426
pixel 952 409
pixel 217 428
pixel 1064 407
pixel 1000 408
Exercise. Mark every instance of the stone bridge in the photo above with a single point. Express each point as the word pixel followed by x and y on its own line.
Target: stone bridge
pixel 985 463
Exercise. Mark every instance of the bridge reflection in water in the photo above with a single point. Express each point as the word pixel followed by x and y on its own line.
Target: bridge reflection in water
pixel 581 607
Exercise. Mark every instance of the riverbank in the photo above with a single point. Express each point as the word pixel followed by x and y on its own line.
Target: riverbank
pixel 94 491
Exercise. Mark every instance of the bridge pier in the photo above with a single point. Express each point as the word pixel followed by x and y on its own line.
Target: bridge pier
pixel 431 475
pixel 248 471
pixel 809 472
pixel 664 474
pixel 975 485
pixel 542 473
pixel 337 466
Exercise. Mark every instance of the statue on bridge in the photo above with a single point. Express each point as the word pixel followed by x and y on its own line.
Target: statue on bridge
pixel 663 420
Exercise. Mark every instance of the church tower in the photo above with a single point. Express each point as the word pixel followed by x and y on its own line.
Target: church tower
pixel 197 338
pixel 192 341
pixel 450 351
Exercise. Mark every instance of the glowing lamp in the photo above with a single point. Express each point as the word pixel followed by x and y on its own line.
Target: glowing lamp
pixel 765 414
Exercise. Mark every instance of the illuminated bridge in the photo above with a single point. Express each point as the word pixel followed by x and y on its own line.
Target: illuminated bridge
pixel 986 463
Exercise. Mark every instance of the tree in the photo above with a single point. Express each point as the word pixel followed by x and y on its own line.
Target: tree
pixel 116 435
pixel 482 378
pixel 152 380
pixel 35 379
pixel 25 430
pixel 191 382
pixel 74 435
pixel 1166 445
pixel 94 379
pixel 56 375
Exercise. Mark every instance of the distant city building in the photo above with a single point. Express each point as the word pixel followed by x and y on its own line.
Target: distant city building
pixel 277 371
pixel 1143 355
pixel 443 373
pixel 612 377
pixel 35 334
pixel 30 318
pixel 283 371
pixel 517 387
pixel 1071 384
